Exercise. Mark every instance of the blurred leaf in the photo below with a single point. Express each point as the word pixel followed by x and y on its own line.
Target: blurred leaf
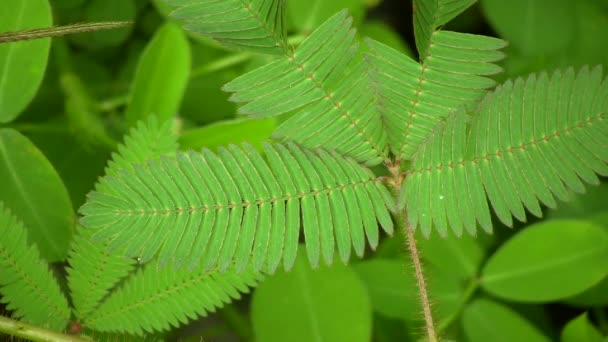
pixel 227 132
pixel 582 205
pixel 486 320
pixel 393 291
pixel 64 151
pixel 534 27
pixel 67 4
pixel 580 329
pixel 597 296
pixel 306 15
pixel 391 286
pixel 382 32
pixel 34 192
pixel 459 257
pixel 106 10
pixel 161 76
pixel 548 261
pixel 22 64
pixel 327 304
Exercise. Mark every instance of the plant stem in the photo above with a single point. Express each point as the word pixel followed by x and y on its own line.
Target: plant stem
pixel 33 333
pixel 424 297
pixel 57 31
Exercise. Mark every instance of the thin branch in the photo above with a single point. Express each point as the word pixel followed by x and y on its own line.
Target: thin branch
pixel 33 333
pixel 58 31
pixel 424 297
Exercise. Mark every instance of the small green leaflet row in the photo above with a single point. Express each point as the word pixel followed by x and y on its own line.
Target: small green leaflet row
pixel 235 207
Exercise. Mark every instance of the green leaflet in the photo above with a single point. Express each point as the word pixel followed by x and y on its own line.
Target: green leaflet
pixel 94 270
pixel 569 257
pixel 26 283
pixel 532 140
pixel 580 329
pixel 33 189
pixel 303 305
pixel 326 87
pixel 161 76
pixel 252 25
pixel 22 64
pixel 413 97
pixel 486 320
pixel 430 14
pixel 156 299
pixel 236 207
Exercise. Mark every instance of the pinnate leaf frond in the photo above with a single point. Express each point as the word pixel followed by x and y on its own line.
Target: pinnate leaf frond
pixel 532 140
pixel 429 15
pixel 413 97
pixel 26 282
pixel 94 270
pixel 237 207
pixel 251 25
pixel 327 90
pixel 157 299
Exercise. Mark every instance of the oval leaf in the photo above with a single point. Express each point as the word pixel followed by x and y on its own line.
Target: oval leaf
pixel 485 320
pixel 34 192
pixel 223 133
pixel 328 304
pixel 22 64
pixel 580 329
pixel 161 76
pixel 548 261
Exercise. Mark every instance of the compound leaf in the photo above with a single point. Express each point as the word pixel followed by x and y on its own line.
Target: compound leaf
pixel 327 90
pixel 252 25
pixel 236 207
pixel 413 97
pixel 156 299
pixel 26 282
pixel 531 140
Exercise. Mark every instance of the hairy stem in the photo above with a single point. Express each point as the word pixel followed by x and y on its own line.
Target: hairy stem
pixel 424 297
pixel 57 31
pixel 33 333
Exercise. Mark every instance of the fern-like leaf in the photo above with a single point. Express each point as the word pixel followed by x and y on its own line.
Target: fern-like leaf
pixel 532 140
pixel 235 206
pixel 429 15
pixel 94 270
pixel 156 299
pixel 26 283
pixel 326 88
pixel 413 97
pixel 251 25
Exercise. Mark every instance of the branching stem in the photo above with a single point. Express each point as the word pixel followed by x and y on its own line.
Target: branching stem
pixel 57 31
pixel 424 297
pixel 33 333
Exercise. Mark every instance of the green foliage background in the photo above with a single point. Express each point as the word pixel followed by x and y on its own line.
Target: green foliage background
pixel 62 119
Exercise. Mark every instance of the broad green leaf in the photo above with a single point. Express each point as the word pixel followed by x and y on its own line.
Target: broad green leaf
pixel 161 76
pixel 22 64
pixel 106 10
pixel 327 304
pixel 459 257
pixel 534 27
pixel 596 296
pixel 306 15
pixel 227 132
pixel 33 190
pixel 580 329
pixel 486 320
pixel 64 151
pixel 548 261
pixel 391 287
